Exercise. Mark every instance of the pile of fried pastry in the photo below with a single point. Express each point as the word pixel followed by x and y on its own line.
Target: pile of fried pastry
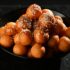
pixel 36 32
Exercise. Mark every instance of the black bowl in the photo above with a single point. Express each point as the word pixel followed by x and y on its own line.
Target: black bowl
pixel 13 16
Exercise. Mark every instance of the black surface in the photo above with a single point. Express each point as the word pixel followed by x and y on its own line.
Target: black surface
pixel 27 2
pixel 64 9
pixel 62 6
pixel 8 62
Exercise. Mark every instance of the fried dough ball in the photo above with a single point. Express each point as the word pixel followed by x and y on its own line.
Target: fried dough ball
pixel 46 16
pixel 46 19
pixel 10 28
pixel 64 44
pixel 24 37
pixel 39 36
pixel 48 11
pixel 16 38
pixel 37 51
pixel 59 18
pixel 23 22
pixel 6 41
pixel 68 32
pixel 30 54
pixel 47 28
pixel 46 22
pixel 10 25
pixel 60 27
pixel 20 50
pixel 33 11
pixel 54 41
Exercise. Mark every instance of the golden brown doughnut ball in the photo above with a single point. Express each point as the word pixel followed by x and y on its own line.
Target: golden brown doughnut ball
pixel 24 37
pixel 54 41
pixel 30 54
pixel 37 51
pixel 20 50
pixel 10 32
pixel 17 39
pixel 39 36
pixel 23 22
pixel 42 26
pixel 46 22
pixel 64 44
pixel 10 25
pixel 10 28
pixel 33 11
pixel 6 41
pixel 48 11
pixel 60 27
pixel 59 18
pixel 68 32
pixel 44 19
pixel 47 15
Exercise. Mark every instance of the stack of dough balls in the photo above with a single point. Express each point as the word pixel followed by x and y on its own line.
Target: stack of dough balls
pixel 36 32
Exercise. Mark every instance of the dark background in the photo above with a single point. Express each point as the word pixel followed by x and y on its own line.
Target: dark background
pixel 6 6
pixel 14 2
pixel 62 6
